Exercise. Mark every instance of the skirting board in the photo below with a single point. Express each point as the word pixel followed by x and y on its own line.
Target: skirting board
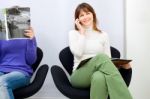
pixel 46 98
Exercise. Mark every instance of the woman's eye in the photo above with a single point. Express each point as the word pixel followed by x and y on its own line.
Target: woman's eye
pixel 81 15
pixel 88 12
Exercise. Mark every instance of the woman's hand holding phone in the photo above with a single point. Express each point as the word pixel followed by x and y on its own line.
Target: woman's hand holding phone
pixel 79 26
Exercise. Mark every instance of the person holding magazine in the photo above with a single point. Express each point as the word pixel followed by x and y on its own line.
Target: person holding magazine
pixel 16 58
pixel 92 64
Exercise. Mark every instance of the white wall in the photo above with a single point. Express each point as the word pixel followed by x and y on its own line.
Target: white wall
pixel 52 20
pixel 138 47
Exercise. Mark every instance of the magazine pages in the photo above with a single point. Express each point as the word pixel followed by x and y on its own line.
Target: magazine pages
pixel 2 25
pixel 13 22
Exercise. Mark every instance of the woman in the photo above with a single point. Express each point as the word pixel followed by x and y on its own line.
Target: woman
pixel 16 58
pixel 92 64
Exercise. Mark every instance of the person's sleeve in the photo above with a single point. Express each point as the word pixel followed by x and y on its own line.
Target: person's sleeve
pixel 31 53
pixel 107 45
pixel 76 43
pixel 0 47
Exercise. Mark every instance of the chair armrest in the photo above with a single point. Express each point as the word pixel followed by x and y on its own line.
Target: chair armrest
pixel 35 85
pixel 63 85
pixel 59 76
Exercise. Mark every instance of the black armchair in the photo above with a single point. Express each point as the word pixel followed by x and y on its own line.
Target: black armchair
pixel 38 80
pixel 61 80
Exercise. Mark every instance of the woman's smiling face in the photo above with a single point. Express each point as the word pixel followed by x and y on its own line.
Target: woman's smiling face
pixel 86 18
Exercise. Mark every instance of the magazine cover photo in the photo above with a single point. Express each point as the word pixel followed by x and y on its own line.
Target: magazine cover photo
pixel 18 20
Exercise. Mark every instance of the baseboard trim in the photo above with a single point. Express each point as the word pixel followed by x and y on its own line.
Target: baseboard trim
pixel 46 98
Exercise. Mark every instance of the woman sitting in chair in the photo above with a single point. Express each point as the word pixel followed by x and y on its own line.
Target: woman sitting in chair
pixel 16 58
pixel 92 65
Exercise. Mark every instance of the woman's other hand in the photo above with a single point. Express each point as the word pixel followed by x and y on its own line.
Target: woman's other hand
pixel 126 66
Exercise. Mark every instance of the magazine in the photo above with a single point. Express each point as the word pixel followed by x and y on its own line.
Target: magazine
pixel 13 22
pixel 118 61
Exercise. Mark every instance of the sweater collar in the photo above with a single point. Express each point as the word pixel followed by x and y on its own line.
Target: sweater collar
pixel 89 28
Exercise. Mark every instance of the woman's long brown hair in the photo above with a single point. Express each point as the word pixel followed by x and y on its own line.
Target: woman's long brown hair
pixel 87 8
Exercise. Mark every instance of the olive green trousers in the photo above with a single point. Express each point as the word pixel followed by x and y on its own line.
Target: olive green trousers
pixel 103 78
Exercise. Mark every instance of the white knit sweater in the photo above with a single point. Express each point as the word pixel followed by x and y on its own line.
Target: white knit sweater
pixel 88 45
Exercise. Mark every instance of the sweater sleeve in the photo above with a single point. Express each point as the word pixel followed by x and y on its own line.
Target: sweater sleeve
pixel 107 45
pixel 31 51
pixel 76 43
pixel 0 47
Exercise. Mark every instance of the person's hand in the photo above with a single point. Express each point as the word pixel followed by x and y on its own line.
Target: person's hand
pixel 79 26
pixel 29 33
pixel 126 66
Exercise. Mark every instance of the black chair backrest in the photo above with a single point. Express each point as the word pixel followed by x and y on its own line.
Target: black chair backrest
pixel 115 53
pixel 66 57
pixel 38 60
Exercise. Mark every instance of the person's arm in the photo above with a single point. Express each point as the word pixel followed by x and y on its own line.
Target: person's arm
pixel 31 47
pixel 76 43
pixel 31 53
pixel 107 45
pixel 0 47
